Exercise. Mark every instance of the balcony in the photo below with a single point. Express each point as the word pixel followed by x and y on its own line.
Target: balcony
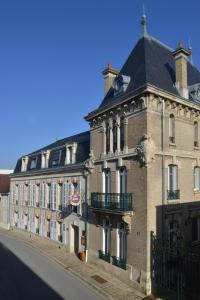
pixel 121 263
pixel 104 256
pixel 173 194
pixel 112 201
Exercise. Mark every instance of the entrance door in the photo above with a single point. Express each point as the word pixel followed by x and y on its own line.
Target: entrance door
pixel 76 239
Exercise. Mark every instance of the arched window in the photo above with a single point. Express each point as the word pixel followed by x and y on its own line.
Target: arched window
pixel 122 133
pixel 172 128
pixel 195 134
pixel 197 179
pixel 114 135
pixel 107 138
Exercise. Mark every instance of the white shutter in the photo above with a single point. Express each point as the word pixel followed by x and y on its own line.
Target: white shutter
pixel 174 177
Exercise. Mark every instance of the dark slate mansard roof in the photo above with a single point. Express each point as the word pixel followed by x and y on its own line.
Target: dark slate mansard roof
pixel 82 151
pixel 150 62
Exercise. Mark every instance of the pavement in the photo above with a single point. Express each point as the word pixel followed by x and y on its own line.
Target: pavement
pixel 107 285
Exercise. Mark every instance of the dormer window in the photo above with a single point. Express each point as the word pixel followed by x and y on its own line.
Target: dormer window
pixel 24 164
pixel 33 163
pixel 56 158
pixel 71 153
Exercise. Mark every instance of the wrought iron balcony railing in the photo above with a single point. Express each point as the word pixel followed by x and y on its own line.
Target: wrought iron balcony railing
pixel 173 194
pixel 121 263
pixel 112 201
pixel 104 256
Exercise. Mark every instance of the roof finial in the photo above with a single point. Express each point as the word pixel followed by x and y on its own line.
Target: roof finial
pixel 190 50
pixel 144 22
pixel 143 10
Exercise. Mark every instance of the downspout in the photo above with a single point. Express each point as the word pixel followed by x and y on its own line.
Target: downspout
pixel 86 216
pixel 163 165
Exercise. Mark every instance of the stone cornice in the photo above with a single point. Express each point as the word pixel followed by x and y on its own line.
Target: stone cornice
pixel 41 172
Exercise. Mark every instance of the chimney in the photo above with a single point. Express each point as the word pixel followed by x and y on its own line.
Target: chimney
pixel 109 75
pixel 181 58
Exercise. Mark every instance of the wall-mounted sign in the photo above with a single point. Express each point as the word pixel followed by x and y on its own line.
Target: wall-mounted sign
pixel 75 199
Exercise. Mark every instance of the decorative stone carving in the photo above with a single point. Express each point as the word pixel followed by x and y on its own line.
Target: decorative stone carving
pixel 146 150
pixel 89 163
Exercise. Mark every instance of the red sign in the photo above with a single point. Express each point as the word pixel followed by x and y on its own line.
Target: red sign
pixel 75 199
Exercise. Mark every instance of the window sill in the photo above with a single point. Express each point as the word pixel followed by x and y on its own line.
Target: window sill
pixel 196 148
pixel 173 201
pixel 172 144
pixel 196 191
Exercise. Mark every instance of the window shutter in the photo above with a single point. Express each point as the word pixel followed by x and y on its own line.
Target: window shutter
pixel 174 177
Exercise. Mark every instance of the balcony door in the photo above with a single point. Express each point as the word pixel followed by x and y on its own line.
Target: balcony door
pixel 173 178
pixel 107 186
pixel 122 242
pixel 53 230
pixel 106 237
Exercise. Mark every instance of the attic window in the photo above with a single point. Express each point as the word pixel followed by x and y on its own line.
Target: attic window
pixel 194 92
pixel 56 158
pixel 120 84
pixel 33 163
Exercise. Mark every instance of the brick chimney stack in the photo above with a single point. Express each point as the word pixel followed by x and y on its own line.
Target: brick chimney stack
pixel 181 58
pixel 109 75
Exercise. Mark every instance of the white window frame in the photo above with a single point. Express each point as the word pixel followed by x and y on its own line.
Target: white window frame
pixel 173 184
pixel 42 193
pixel 53 195
pixel 196 179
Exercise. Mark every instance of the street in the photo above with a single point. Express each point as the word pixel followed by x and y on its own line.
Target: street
pixel 27 274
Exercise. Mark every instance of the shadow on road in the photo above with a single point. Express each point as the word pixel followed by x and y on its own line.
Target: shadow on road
pixel 18 282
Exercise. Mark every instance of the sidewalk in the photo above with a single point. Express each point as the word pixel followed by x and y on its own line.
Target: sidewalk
pixel 106 284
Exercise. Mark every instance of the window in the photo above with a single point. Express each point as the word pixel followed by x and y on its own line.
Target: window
pixel 65 195
pixel 33 163
pixel 29 195
pixel 195 134
pixel 42 195
pixel 55 158
pixel 173 177
pixel 122 134
pixel 196 229
pixel 114 136
pixel 122 242
pixel 106 237
pixel 70 155
pixel 197 179
pixel 107 181
pixel 122 181
pixel 53 230
pixel 33 195
pixel 107 138
pixel 171 129
pixel 53 194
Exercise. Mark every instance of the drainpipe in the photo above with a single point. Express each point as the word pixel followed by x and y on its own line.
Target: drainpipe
pixel 163 163
pixel 86 217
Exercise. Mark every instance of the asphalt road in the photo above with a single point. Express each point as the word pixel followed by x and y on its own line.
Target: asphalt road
pixel 26 274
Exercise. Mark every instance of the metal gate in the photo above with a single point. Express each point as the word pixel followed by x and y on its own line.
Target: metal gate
pixel 175 270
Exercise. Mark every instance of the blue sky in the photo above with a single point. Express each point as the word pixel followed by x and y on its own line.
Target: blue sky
pixel 52 53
